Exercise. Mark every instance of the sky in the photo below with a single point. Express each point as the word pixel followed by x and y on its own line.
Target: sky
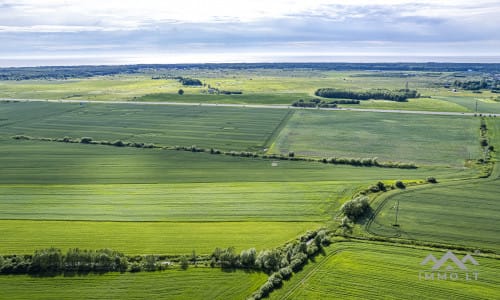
pixel 65 32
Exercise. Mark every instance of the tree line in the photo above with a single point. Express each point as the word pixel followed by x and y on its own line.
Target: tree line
pixel 280 263
pixel 379 94
pixel 313 103
pixel 475 85
pixel 67 72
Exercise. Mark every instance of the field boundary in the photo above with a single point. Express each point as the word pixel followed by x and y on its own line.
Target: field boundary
pixel 276 132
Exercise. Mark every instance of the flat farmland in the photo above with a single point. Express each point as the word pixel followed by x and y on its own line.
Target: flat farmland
pixel 423 139
pixel 139 238
pixel 463 214
pixel 376 271
pixel 218 127
pixel 199 201
pixel 195 283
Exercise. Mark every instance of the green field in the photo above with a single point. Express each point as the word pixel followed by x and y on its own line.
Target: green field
pixel 259 86
pixel 225 128
pixel 143 201
pixel 136 238
pixel 187 191
pixel 462 213
pixel 423 139
pixel 195 283
pixel 376 271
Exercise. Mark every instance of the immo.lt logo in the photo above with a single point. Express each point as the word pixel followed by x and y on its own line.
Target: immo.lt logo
pixel 449 267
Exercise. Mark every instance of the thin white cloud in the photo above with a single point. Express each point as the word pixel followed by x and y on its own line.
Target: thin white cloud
pixel 148 27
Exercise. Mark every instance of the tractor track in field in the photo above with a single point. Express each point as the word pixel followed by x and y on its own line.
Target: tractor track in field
pixel 313 271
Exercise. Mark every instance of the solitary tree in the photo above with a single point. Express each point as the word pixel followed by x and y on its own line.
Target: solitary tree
pixel 181 92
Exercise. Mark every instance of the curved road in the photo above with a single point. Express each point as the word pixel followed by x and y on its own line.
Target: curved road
pixel 271 106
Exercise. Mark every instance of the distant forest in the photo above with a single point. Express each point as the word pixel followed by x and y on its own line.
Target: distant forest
pixel 67 72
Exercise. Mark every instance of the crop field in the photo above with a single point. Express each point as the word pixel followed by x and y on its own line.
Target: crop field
pixel 225 128
pixel 374 271
pixel 138 238
pixel 195 283
pixel 463 213
pixel 266 205
pixel 425 140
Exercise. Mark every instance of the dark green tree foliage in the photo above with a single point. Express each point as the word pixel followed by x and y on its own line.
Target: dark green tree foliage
pixel 150 263
pixel 400 185
pixel 248 257
pixel 47 261
pixel 184 263
pixel 189 81
pixel 399 96
pixel 313 103
pixel 475 85
pixel 356 207
pixel 268 260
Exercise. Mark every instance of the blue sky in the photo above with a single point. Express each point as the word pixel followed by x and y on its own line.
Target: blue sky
pixel 151 31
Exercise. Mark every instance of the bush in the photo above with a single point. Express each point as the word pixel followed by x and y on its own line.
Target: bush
pixel 118 143
pixel 400 185
pixel 248 257
pixel 286 273
pixel 431 180
pixel 355 208
pixel 183 262
pixel 135 267
pixel 86 140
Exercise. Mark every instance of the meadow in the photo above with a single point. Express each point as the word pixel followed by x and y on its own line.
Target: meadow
pixel 422 139
pixel 359 270
pixel 194 283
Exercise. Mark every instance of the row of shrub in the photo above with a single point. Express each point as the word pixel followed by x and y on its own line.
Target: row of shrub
pixel 87 140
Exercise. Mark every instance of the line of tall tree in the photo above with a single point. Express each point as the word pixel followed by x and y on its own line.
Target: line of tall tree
pixel 475 85
pixel 313 103
pixel 378 94
pixel 279 263
pixel 53 261
pixel 189 81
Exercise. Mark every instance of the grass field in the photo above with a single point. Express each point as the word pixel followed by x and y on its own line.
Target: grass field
pixel 195 283
pixel 425 140
pixel 225 128
pixel 374 271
